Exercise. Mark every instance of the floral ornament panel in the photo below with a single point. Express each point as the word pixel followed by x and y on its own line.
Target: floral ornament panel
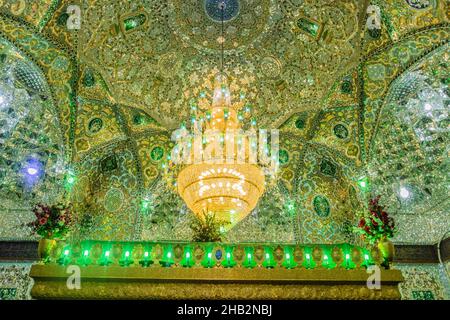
pixel 344 91
pixel 138 120
pixel 96 125
pixel 339 128
pixel 15 282
pixel 422 282
pixel 300 125
pixel 153 151
pixel 106 195
pixel 34 12
pixel 91 85
pixel 411 14
pixel 324 205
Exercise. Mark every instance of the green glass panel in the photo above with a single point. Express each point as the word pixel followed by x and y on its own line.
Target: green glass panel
pixel 269 262
pixel 228 259
pixel 95 125
pixel 308 261
pixel 167 259
pixel 422 295
pixel 108 164
pixel 134 22
pixel 89 79
pixel 340 131
pixel 62 19
pixel 310 27
pixel 188 258
pixel 2 58
pixel 327 259
pixel 8 293
pixel 208 259
pixel 249 261
pixel 346 85
pixel 288 258
pixel 300 123
pixel 283 156
pixel 321 206
pixel 157 153
pixel 327 167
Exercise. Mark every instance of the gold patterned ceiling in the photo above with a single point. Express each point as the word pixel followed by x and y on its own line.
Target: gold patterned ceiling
pixel 121 82
pixel 161 65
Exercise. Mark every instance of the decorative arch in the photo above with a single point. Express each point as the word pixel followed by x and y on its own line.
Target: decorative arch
pixel 32 164
pixel 412 134
pixel 58 66
pixel 383 66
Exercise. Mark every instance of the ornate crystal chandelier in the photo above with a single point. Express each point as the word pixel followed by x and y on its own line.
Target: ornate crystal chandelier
pixel 231 186
pixel 228 185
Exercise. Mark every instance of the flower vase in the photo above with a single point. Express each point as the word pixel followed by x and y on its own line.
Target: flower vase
pixel 45 248
pixel 386 248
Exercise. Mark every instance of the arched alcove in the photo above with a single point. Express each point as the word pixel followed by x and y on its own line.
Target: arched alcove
pixel 31 148
pixel 409 164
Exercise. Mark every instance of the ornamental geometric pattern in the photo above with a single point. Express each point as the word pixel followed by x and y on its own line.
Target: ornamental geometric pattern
pixel 104 99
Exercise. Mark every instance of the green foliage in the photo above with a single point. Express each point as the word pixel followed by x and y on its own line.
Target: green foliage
pixel 207 228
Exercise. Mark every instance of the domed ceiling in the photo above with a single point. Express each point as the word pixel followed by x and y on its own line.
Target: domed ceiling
pixel 163 63
pixel 348 100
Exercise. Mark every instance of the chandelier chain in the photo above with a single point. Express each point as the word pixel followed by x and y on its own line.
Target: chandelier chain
pixel 222 7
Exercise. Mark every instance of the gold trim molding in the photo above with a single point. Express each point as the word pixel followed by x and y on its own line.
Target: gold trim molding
pixel 217 283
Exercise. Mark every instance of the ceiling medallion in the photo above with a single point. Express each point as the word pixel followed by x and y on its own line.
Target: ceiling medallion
pixel 271 67
pixel 213 9
pixel 198 22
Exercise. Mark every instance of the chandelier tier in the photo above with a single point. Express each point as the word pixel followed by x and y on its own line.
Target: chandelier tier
pixel 230 191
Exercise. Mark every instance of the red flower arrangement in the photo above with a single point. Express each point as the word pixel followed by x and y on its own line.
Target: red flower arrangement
pixel 376 224
pixel 52 222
